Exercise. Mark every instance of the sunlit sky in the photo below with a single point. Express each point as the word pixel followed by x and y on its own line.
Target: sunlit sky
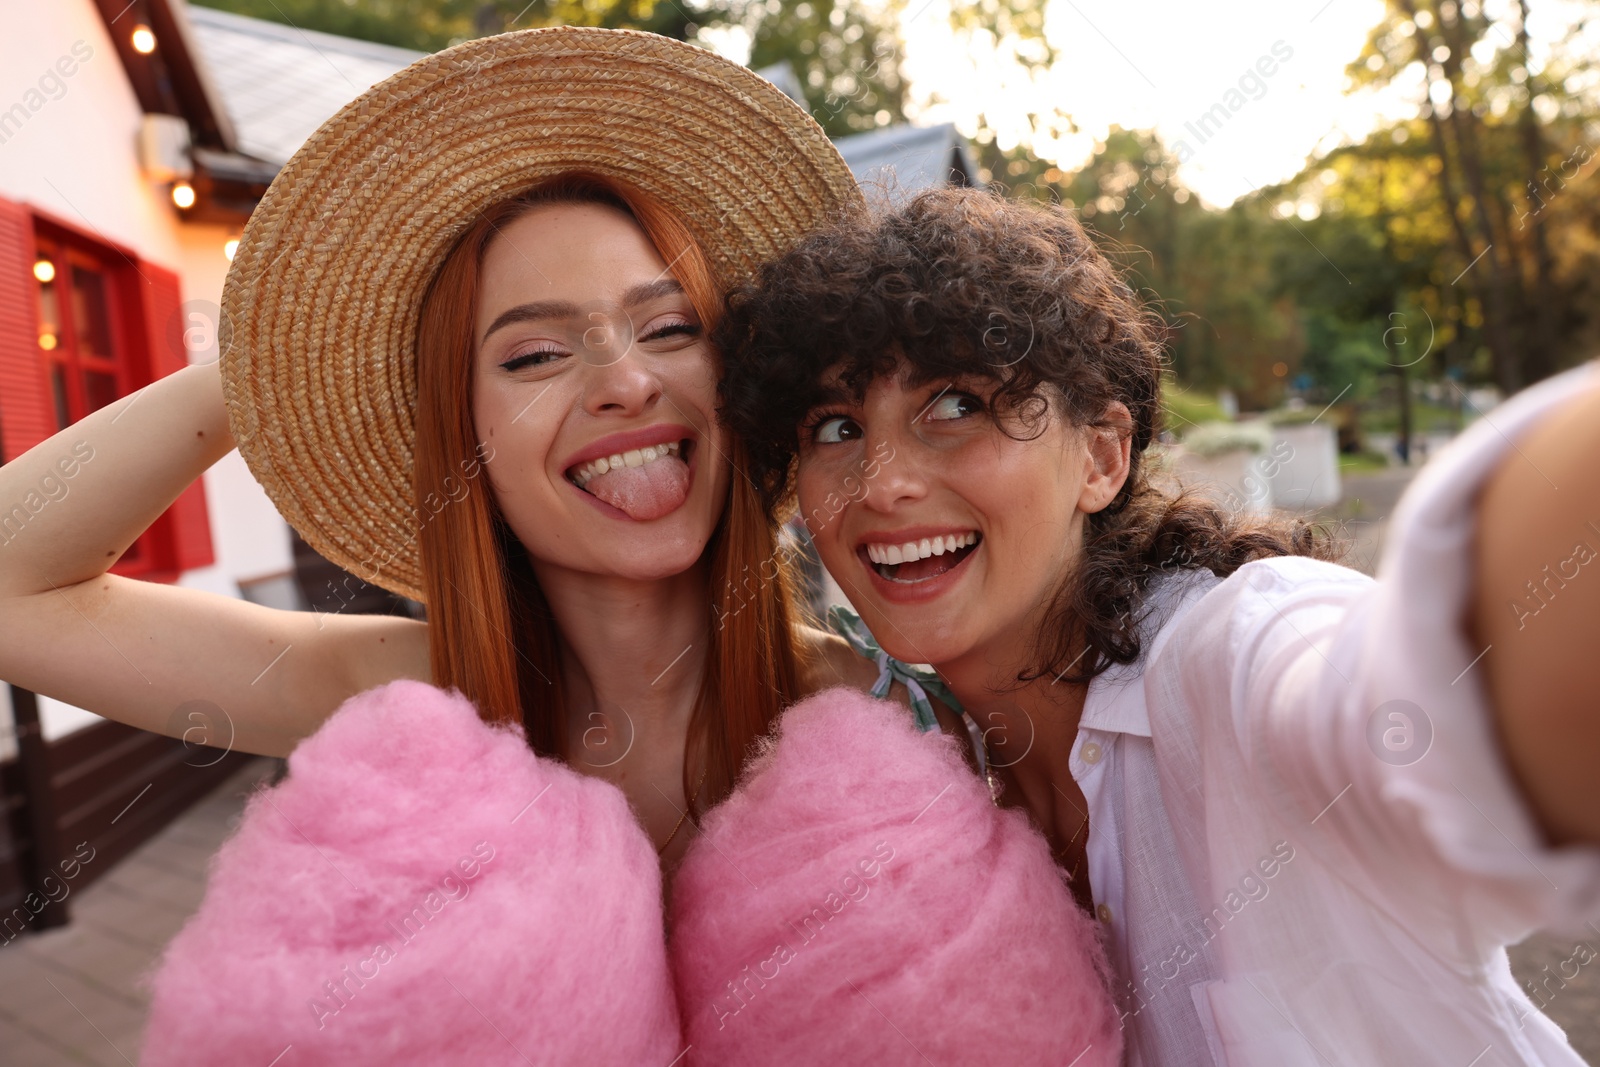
pixel 1163 64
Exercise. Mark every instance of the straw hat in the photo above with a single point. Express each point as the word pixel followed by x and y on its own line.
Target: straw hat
pixel 320 307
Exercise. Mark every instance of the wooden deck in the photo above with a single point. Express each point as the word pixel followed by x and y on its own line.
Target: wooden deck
pixel 70 995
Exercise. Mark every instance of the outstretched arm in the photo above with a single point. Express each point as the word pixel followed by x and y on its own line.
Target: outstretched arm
pixel 1537 610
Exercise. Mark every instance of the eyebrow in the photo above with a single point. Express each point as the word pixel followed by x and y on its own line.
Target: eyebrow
pixel 564 309
pixel 833 395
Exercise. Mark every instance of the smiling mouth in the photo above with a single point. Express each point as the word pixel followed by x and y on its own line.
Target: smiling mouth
pixel 585 473
pixel 919 561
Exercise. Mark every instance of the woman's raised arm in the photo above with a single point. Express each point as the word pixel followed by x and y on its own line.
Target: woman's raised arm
pixel 137 651
pixel 1537 611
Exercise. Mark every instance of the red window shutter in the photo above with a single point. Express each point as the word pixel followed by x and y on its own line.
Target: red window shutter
pixel 188 525
pixel 26 414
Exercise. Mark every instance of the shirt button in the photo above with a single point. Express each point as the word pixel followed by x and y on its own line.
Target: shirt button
pixel 1103 913
pixel 1089 753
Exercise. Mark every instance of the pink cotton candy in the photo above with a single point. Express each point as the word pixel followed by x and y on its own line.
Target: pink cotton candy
pixel 646 492
pixel 520 903
pixel 859 900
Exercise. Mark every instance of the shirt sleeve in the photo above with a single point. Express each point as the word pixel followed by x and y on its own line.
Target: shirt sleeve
pixel 1359 704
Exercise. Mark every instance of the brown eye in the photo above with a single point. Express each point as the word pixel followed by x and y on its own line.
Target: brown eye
pixel 836 429
pixel 952 406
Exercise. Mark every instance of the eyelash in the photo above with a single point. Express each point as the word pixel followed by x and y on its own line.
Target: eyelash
pixel 688 328
pixel 517 362
pixel 809 427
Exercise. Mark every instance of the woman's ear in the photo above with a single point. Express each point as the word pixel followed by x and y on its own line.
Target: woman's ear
pixel 1106 458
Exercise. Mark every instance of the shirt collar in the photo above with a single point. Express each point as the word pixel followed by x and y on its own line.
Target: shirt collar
pixel 1115 702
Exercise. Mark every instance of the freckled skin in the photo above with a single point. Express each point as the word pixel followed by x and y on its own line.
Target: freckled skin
pixel 1025 489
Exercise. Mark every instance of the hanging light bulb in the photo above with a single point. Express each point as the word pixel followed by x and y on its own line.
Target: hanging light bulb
pixel 44 271
pixel 230 248
pixel 183 195
pixel 143 40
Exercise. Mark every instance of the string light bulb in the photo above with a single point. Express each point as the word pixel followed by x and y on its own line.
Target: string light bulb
pixel 183 195
pixel 44 271
pixel 230 248
pixel 143 40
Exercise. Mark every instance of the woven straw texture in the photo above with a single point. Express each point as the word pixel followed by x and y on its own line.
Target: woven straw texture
pixel 320 306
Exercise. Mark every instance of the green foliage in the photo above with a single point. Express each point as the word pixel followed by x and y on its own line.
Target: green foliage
pixel 846 53
pixel 429 25
pixel 1460 240
pixel 1354 276
pixel 847 56
pixel 1362 462
pixel 1184 409
pixel 1218 438
pixel 1490 175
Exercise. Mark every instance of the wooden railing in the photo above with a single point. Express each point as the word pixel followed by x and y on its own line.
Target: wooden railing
pixel 101 791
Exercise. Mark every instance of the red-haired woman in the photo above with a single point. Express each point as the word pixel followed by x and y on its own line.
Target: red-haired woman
pixel 603 599
pixel 1309 809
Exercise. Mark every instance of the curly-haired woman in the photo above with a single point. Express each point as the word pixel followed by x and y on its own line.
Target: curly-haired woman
pixel 1309 808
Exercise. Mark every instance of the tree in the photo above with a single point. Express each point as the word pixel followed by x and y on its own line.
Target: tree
pixel 1497 162
pixel 847 53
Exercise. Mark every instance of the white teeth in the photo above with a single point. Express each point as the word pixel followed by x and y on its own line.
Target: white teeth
pixel 636 458
pixel 912 551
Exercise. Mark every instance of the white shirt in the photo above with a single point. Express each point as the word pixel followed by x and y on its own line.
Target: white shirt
pixel 1274 894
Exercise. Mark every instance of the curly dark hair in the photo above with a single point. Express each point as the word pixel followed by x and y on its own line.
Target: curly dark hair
pixel 959 283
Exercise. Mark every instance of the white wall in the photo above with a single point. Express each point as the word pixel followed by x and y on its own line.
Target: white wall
pixel 74 157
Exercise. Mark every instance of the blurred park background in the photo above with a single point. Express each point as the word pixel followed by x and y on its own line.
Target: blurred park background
pixel 1365 222
pixel 1379 206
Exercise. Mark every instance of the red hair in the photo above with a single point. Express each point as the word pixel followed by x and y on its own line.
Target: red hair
pixel 490 632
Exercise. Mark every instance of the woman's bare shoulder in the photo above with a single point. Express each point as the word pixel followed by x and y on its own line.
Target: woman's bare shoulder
pixel 827 660
pixel 833 662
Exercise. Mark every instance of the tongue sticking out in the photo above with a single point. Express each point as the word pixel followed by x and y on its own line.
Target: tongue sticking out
pixel 643 493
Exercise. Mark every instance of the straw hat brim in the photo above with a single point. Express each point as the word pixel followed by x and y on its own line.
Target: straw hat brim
pixel 320 306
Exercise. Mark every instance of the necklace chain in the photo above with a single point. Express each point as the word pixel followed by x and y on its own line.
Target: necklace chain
pixel 1060 853
pixel 996 787
pixel 688 808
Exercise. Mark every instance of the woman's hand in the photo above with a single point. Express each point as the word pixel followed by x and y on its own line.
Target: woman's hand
pixel 1537 610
